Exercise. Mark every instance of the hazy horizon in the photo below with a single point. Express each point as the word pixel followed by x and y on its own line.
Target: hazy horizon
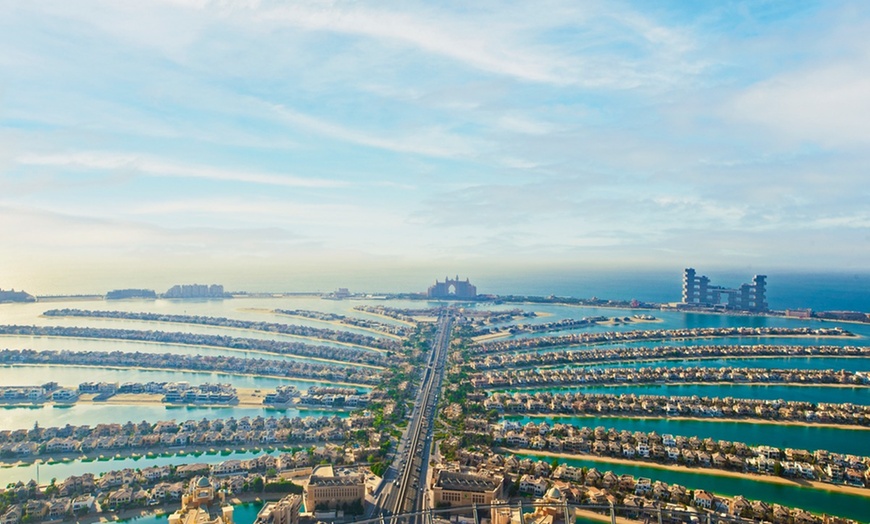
pixel 158 142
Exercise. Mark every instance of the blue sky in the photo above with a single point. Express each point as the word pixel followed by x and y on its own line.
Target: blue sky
pixel 168 139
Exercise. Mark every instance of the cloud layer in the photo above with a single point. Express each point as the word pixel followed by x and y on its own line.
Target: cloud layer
pixel 428 135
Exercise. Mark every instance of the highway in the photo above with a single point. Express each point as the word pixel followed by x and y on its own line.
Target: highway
pixel 405 479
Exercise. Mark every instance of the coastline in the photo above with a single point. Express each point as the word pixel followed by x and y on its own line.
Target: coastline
pixel 183 453
pixel 545 349
pixel 214 348
pixel 851 427
pixel 814 484
pixel 201 371
pixel 609 322
pixel 169 508
pixel 385 317
pixel 303 337
pixel 332 323
pixel 683 359
pixel 624 384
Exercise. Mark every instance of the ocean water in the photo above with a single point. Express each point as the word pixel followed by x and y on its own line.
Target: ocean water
pixel 242 514
pixel 836 292
pixel 822 291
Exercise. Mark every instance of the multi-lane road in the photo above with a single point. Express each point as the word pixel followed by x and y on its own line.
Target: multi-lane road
pixel 405 480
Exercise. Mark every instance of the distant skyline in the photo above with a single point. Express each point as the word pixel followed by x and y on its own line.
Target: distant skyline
pixel 185 140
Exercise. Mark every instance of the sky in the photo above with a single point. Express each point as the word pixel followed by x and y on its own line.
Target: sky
pixel 158 142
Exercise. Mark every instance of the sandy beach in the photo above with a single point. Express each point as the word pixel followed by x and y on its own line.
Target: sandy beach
pixel 385 317
pixel 624 384
pixel 248 397
pixel 337 323
pixel 852 490
pixel 490 336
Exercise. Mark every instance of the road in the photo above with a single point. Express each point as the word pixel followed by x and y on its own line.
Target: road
pixel 405 479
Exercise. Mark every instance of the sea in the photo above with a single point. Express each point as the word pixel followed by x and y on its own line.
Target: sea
pixel 832 291
pixel 828 291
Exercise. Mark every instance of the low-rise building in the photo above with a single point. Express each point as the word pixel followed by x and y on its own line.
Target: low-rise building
pixel 461 489
pixel 328 489
pixel 285 511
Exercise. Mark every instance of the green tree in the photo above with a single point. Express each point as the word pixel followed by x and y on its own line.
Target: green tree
pixel 257 484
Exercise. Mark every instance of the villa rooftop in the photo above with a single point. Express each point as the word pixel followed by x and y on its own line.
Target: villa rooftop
pixel 464 482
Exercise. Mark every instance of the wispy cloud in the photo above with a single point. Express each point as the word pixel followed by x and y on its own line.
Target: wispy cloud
pixel 434 141
pixel 154 167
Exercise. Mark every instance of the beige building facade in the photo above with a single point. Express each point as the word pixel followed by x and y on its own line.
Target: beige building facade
pixel 328 490
pixel 462 489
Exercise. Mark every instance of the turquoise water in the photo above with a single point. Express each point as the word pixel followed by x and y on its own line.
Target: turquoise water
pixel 855 395
pixel 73 376
pixel 257 309
pixel 242 514
pixel 838 440
pixel 130 346
pixel 821 291
pixel 92 414
pixel 63 470
pixel 672 320
pixel 254 309
pixel 814 500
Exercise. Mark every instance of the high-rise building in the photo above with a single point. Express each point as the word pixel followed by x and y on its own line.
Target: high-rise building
pixel 452 289
pixel 697 291
pixel 195 291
